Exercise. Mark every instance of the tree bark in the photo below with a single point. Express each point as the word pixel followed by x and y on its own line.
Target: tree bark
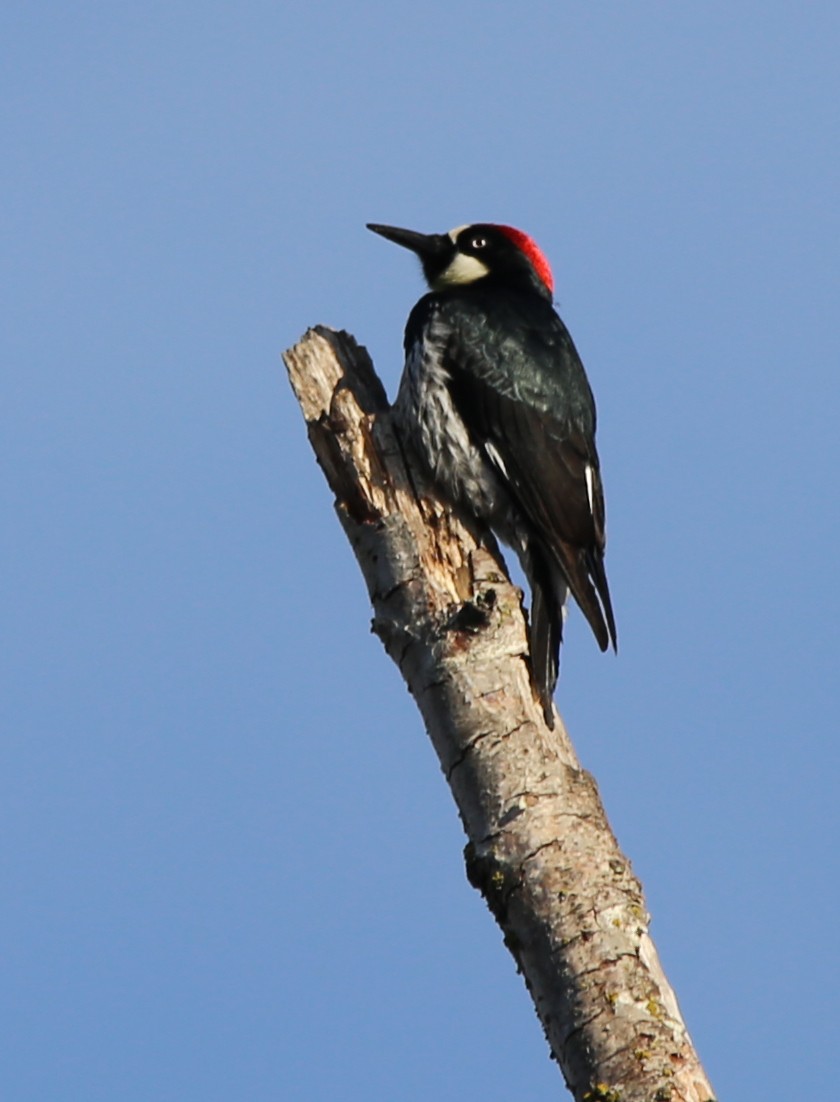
pixel 540 848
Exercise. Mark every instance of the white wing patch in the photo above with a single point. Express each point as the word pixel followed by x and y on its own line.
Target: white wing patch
pixel 590 487
pixel 494 457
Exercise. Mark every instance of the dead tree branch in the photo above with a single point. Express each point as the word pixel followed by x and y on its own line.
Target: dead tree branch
pixel 540 848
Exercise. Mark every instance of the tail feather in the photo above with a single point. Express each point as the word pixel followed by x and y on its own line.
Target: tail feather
pixel 545 632
pixel 550 577
pixel 599 576
pixel 581 569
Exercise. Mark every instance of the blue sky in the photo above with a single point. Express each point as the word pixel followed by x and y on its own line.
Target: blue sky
pixel 230 866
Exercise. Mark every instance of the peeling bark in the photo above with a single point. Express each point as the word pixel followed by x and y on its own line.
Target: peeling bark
pixel 540 848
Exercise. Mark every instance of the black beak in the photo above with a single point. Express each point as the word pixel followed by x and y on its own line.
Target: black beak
pixel 434 249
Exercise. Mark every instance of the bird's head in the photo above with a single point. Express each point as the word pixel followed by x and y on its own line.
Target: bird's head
pixel 483 251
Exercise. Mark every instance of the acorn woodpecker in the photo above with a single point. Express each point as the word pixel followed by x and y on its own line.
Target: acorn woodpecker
pixel 495 400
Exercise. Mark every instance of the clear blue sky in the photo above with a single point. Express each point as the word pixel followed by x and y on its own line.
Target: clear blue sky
pixel 230 867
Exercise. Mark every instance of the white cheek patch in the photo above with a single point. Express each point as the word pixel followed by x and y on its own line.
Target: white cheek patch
pixel 463 269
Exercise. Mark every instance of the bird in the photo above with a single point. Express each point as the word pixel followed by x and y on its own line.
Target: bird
pixel 495 401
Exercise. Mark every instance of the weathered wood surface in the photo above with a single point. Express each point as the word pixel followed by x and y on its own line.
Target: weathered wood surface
pixel 539 847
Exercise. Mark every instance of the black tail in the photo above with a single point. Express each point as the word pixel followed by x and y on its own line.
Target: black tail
pixel 599 576
pixel 545 632
pixel 548 596
pixel 582 568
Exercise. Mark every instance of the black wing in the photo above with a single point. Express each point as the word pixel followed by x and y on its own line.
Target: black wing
pixel 527 402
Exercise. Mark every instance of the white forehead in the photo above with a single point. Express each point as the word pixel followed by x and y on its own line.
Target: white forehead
pixel 453 234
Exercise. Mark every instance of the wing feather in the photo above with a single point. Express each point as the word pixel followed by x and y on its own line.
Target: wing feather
pixel 529 406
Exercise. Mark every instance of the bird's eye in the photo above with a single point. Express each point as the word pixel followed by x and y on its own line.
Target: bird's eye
pixel 478 242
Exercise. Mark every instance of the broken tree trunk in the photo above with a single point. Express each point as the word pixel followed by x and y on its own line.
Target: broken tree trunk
pixel 540 848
